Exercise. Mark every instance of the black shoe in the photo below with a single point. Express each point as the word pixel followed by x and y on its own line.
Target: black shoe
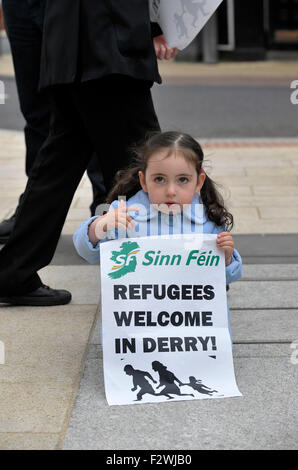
pixel 42 297
pixel 6 227
pixel 227 287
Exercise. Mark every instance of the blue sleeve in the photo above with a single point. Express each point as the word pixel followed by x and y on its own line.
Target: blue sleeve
pixel 234 270
pixel 82 243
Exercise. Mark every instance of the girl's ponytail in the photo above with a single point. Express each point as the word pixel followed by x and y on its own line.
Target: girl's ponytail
pixel 214 205
pixel 127 183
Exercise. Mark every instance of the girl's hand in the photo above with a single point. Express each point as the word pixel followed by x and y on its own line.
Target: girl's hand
pixel 117 218
pixel 225 242
pixel 162 50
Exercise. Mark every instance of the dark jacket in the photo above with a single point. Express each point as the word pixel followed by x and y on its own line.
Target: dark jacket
pixel 89 39
pixel 37 8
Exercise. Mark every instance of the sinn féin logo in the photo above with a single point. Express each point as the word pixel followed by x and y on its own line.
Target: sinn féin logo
pixel 125 260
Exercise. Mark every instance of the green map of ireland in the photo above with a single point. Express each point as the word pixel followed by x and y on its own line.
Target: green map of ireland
pixel 125 260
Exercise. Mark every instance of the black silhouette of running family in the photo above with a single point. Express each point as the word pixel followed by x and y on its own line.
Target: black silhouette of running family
pixel 166 379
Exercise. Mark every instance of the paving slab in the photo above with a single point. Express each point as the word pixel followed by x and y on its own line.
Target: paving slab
pixel 44 356
pixel 264 418
pixel 28 441
pixel 4 212
pixel 29 408
pixel 261 226
pixel 44 343
pixel 270 190
pixel 263 202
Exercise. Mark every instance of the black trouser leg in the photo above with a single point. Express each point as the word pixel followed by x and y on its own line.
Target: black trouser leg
pixel 98 187
pixel 57 171
pixel 116 119
pixel 25 37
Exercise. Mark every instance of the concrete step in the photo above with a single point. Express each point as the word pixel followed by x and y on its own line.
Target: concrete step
pixel 272 295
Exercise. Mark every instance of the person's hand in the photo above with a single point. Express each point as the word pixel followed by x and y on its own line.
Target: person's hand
pixel 117 218
pixel 162 50
pixel 225 242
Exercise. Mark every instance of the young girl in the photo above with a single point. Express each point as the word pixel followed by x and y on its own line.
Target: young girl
pixel 168 192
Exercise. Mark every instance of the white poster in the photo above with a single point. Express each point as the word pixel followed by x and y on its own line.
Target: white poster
pixel 164 320
pixel 182 20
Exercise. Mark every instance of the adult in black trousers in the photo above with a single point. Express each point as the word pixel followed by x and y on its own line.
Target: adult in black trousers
pixel 24 25
pixel 98 64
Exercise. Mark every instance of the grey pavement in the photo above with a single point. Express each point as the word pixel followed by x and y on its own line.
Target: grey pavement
pixel 4 45
pixel 264 325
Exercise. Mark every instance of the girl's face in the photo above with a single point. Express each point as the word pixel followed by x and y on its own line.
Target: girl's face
pixel 170 181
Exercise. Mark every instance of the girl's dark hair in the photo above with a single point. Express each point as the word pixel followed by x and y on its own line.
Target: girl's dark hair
pixel 127 181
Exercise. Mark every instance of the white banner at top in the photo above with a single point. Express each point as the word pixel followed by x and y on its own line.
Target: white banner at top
pixel 182 20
